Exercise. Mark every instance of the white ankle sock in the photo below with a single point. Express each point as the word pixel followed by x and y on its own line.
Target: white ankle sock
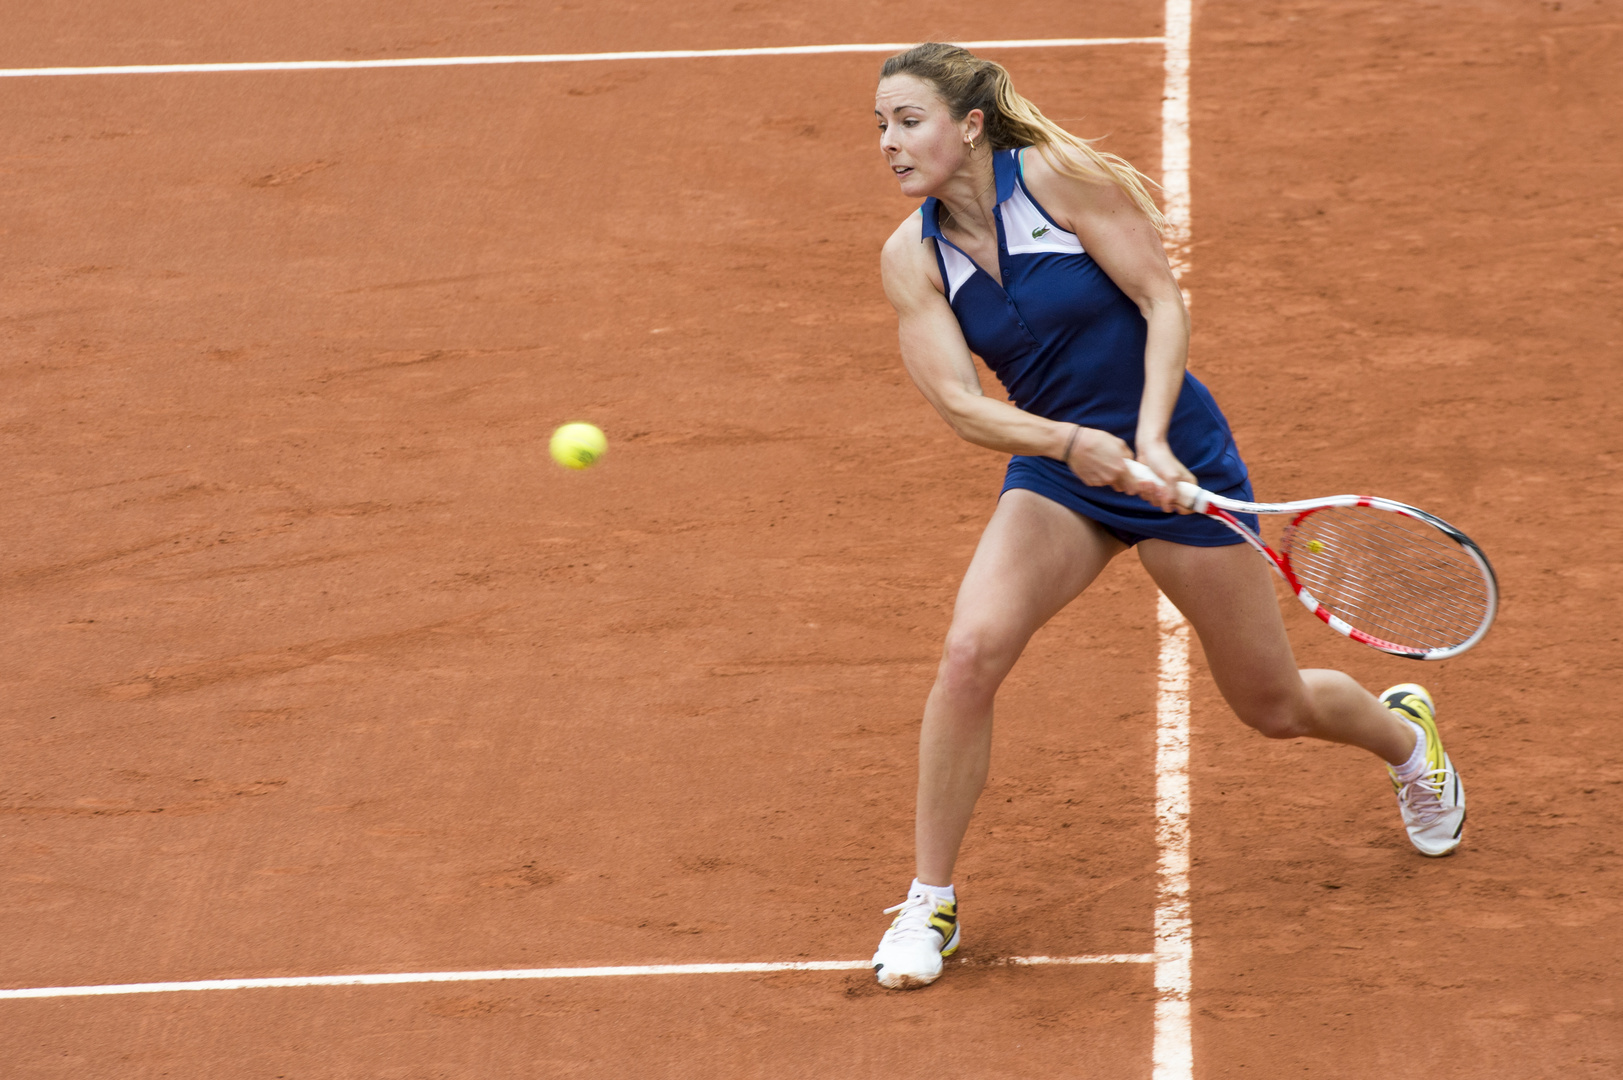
pixel 940 892
pixel 1411 769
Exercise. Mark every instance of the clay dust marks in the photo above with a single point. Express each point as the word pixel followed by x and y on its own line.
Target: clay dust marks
pixel 186 678
pixel 290 174
pixel 215 796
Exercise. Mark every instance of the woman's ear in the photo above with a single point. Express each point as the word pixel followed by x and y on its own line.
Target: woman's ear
pixel 974 126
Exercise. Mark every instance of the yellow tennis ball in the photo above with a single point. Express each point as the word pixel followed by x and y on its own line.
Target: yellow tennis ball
pixel 1315 547
pixel 575 446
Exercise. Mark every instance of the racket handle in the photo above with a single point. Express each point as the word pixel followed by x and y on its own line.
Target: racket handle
pixel 1189 495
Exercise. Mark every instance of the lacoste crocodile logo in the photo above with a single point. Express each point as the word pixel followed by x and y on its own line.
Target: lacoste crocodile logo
pixel 1037 233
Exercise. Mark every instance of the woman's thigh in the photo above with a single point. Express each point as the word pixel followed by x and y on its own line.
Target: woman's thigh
pixel 1228 597
pixel 1034 557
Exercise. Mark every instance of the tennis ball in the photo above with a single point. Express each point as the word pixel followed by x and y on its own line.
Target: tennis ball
pixel 1315 547
pixel 575 446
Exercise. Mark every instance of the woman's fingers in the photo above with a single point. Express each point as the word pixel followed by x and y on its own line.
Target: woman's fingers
pixel 1098 458
pixel 1167 471
pixel 1145 482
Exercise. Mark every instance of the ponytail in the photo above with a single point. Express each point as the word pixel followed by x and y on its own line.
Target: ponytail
pixel 966 83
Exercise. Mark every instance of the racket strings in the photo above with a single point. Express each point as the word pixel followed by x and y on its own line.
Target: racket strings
pixel 1393 577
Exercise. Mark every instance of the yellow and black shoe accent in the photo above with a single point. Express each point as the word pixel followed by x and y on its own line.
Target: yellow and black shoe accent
pixel 924 931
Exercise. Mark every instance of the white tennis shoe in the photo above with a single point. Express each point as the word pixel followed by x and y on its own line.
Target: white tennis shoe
pixel 1433 803
pixel 910 953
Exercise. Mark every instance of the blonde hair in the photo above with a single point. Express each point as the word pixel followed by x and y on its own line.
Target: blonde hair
pixel 966 83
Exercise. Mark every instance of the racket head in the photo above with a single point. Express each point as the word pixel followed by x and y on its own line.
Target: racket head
pixel 1391 576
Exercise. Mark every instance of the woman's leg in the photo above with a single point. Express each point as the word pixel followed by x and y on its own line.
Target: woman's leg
pixel 1034 558
pixel 1228 597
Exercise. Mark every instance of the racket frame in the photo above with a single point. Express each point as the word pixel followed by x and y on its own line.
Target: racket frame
pixel 1222 509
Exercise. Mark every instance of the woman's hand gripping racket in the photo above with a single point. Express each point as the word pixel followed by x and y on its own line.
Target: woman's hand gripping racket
pixel 1393 577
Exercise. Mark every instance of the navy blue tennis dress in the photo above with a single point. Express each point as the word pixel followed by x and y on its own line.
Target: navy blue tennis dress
pixel 1068 345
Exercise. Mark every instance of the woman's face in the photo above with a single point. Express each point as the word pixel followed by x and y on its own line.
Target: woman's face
pixel 921 141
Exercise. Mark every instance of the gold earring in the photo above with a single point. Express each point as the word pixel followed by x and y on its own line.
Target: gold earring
pixel 971 144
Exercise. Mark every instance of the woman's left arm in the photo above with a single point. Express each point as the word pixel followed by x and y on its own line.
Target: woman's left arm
pixel 1128 248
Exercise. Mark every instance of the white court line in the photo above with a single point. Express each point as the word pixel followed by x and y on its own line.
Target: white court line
pixel 1173 1052
pixel 1174 934
pixel 523 973
pixel 554 58
pixel 1175 138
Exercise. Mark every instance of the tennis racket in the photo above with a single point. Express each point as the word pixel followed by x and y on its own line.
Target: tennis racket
pixel 1383 573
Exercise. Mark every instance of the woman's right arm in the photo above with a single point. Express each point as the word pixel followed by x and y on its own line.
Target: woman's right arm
pixel 940 363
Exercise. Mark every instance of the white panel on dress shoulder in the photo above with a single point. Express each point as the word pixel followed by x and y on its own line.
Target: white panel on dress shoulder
pixel 960 268
pixel 1027 232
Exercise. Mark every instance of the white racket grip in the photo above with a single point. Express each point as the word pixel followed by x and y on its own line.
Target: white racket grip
pixel 1195 498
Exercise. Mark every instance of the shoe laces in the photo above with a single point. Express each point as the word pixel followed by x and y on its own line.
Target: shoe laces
pixel 914 921
pixel 1423 795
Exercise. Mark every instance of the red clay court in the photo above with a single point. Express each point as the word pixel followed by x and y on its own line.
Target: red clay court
pixel 315 665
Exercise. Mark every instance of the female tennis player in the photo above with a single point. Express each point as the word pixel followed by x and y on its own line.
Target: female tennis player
pixel 1043 256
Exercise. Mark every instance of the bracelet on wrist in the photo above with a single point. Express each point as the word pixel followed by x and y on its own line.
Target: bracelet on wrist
pixel 1076 429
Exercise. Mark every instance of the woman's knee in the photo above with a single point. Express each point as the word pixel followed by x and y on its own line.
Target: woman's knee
pixel 975 659
pixel 1275 717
